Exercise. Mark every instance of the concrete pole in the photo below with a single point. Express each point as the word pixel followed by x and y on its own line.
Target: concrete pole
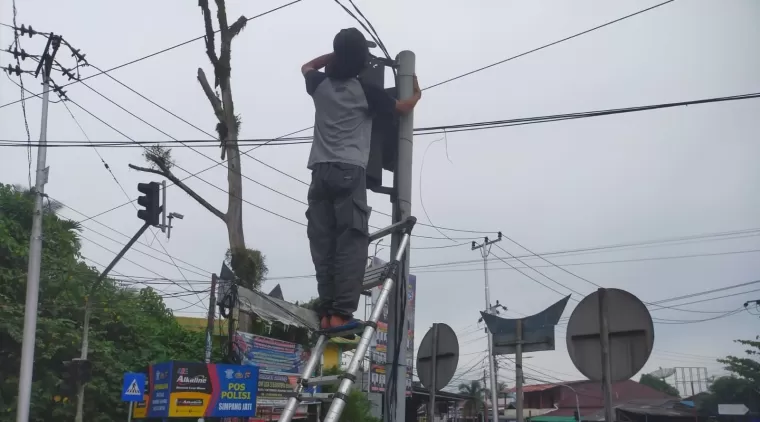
pixel 485 250
pixel 35 258
pixel 491 367
pixel 604 332
pixel 402 181
pixel 211 315
pixel 519 371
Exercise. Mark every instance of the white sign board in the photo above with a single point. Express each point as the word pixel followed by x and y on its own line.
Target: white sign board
pixel 732 409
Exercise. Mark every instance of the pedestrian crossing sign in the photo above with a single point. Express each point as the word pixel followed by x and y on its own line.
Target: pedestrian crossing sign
pixel 133 387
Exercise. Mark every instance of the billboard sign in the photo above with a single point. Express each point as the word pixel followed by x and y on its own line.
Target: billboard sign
pixel 380 344
pixel 194 389
pixel 280 362
pixel 270 354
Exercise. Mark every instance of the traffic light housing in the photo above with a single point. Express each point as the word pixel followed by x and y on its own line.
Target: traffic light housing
pixel 69 386
pixel 84 370
pixel 150 201
pixel 384 138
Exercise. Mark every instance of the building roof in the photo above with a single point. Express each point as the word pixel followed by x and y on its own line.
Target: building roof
pixel 194 324
pixel 273 309
pixel 533 388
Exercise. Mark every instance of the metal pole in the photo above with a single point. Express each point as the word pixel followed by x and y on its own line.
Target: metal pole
pixel 129 415
pixel 431 410
pixel 691 379
pixel 519 372
pixel 402 181
pixel 605 343
pixel 35 258
pixel 88 313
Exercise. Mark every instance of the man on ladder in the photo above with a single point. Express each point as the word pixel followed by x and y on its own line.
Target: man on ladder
pixel 338 213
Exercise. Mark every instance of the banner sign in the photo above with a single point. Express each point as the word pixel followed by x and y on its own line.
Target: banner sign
pixel 274 387
pixel 194 389
pixel 380 346
pixel 280 362
pixel 271 354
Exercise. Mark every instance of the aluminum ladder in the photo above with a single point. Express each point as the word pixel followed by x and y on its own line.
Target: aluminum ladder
pixel 384 275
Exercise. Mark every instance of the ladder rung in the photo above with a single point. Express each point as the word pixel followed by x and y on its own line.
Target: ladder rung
pixel 407 223
pixel 324 380
pixel 316 396
pixel 356 328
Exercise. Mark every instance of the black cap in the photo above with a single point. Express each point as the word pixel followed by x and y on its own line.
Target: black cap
pixel 351 54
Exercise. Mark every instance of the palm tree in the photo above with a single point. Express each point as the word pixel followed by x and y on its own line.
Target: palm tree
pixel 502 392
pixel 477 394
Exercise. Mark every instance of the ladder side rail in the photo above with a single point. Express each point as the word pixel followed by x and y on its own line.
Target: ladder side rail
pixel 316 354
pixel 403 225
pixel 339 402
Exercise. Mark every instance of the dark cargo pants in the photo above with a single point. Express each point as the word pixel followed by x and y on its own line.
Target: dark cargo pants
pixel 338 231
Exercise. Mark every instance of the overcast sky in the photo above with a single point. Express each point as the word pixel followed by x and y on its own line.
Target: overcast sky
pixel 552 187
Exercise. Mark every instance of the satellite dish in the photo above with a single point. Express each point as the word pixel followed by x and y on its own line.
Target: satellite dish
pixel 663 373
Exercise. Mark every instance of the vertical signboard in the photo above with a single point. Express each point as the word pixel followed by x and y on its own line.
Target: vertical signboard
pixel 160 388
pixel 380 344
pixel 280 363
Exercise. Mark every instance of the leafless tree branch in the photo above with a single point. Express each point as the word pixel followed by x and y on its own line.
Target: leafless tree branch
pixel 238 26
pixel 216 103
pixel 210 50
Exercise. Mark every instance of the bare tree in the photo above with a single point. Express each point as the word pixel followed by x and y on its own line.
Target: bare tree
pixel 244 262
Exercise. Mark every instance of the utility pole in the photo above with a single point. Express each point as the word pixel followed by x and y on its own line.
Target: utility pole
pixel 402 180
pixel 35 241
pixel 519 372
pixel 485 250
pixel 485 407
pixel 150 214
pixel 604 334
pixel 211 315
pixel 211 311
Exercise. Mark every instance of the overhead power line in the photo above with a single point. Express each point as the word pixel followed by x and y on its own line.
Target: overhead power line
pixel 430 130
pixel 158 52
pixel 720 289
pixel 480 69
pixel 569 252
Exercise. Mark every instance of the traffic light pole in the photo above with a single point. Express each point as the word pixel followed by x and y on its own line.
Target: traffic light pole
pixel 35 244
pixel 88 313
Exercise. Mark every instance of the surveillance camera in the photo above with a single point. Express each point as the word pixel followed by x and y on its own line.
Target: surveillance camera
pixel 177 215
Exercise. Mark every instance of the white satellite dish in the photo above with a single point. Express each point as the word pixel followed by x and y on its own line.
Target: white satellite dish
pixel 663 373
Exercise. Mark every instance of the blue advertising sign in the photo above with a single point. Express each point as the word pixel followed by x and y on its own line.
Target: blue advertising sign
pixel 237 395
pixel 195 389
pixel 133 387
pixel 160 388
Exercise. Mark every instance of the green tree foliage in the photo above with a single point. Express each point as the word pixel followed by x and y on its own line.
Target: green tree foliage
pixel 747 367
pixel 659 385
pixel 249 267
pixel 130 328
pixel 743 386
pixel 730 390
pixel 477 393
